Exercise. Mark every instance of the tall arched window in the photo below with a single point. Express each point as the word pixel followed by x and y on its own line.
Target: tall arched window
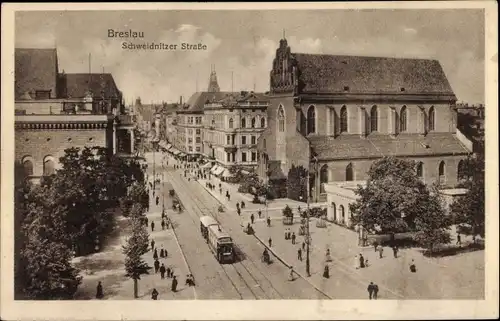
pixel 243 122
pixel 420 169
pixel 343 119
pixel 334 212
pixel 374 119
pixel 48 166
pixel 442 171
pixel 323 178
pixel 402 119
pixel 253 122
pixel 342 214
pixel 264 144
pixel 432 118
pixel 461 170
pixel 231 123
pixel 28 166
pixel 281 119
pixel 311 120
pixel 263 122
pixel 349 173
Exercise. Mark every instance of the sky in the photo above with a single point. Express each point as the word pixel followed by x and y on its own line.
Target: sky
pixel 243 44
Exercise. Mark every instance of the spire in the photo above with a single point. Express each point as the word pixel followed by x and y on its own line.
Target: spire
pixel 213 85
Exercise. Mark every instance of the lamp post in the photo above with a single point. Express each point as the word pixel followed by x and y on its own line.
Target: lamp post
pixel 308 237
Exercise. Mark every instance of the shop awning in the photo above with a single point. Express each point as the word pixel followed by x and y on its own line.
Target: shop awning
pixel 226 174
pixel 245 172
pixel 214 169
pixel 175 152
pixel 163 145
pixel 169 145
pixel 219 171
pixel 207 165
pixel 182 154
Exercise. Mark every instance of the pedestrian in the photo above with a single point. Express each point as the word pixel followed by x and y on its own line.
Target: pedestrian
pixel 228 197
pixel 165 253
pixel 381 252
pixel 413 267
pixel 371 288
pixel 303 246
pixel 252 218
pixel 293 238
pixel 154 294
pixel 290 275
pixel 152 245
pixel 375 244
pixel 459 240
pixel 162 253
pixel 238 210
pixel 328 256
pixel 146 221
pixel 168 272
pixel 395 251
pixel 268 222
pixel 242 204
pixel 375 291
pixel 162 224
pixel 157 265
pixel 220 191
pixel 155 254
pixel 270 241
pixel 157 200
pixel 174 284
pixel 356 262
pixel 260 213
pixel 326 272
pixel 99 293
pixel 299 254
pixel 152 226
pixel 361 261
pixel 237 204
pixel 163 214
pixel 162 270
pixel 366 263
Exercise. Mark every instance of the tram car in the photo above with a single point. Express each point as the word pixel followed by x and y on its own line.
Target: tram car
pixel 219 242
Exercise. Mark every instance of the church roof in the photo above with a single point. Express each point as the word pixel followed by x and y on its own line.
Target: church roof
pixel 320 73
pixel 77 85
pixel 374 146
pixel 35 69
pixel 199 99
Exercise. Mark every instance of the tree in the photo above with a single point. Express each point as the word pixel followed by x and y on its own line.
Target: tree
pixel 469 210
pixel 45 257
pixel 136 246
pixel 297 183
pixel 393 198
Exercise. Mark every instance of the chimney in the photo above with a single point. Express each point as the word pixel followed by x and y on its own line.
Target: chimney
pixel 180 100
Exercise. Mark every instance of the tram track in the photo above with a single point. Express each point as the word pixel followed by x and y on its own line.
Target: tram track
pixel 245 282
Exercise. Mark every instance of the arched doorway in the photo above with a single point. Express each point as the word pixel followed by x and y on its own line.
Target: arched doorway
pixel 342 214
pixel 334 212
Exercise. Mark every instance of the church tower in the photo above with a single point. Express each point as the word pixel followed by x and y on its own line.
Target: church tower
pixel 213 86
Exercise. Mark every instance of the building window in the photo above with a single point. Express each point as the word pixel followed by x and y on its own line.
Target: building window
pixel 253 122
pixel 281 119
pixel 349 173
pixel 254 156
pixel 243 140
pixel 374 119
pixel 243 156
pixel 442 171
pixel 432 118
pixel 231 123
pixel 190 140
pixel 198 140
pixel 228 140
pixel 253 140
pixel 190 148
pixel 198 131
pixel 228 157
pixel 311 120
pixel 213 122
pixel 264 144
pixel 461 170
pixel 343 120
pixel 42 94
pixel 334 212
pixel 323 178
pixel 198 149
pixel 402 119
pixel 28 167
pixel 263 122
pixel 420 169
pixel 48 166
pixel 243 122
pixel 342 214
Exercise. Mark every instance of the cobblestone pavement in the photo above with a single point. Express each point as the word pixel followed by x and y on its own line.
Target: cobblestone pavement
pixel 252 278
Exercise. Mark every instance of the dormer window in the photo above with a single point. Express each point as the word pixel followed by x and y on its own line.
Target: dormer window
pixel 346 88
pixel 402 89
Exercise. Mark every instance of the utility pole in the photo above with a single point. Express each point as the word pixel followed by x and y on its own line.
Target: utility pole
pixel 308 236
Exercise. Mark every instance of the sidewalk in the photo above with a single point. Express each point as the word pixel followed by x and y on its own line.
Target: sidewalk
pixel 462 279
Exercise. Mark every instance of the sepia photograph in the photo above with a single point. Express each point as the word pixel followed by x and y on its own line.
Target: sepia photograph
pixel 194 152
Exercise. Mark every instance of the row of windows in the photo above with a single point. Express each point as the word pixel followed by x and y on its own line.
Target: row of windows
pixel 196 120
pixel 253 122
pixel 244 157
pixel 402 124
pixel 48 166
pixel 349 172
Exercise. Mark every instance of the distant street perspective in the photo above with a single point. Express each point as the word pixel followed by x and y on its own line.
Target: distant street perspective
pixel 310 175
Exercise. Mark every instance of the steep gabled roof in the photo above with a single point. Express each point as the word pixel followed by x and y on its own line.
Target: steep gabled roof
pixel 35 69
pixel 77 85
pixel 199 99
pixel 358 74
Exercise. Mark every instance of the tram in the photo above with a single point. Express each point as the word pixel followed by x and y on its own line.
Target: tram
pixel 219 242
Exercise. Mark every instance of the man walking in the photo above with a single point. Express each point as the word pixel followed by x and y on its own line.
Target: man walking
pixel 157 265
pixel 252 218
pixel 459 240
pixel 162 224
pixel 152 226
pixel 293 238
pixel 152 245
pixel 375 291
pixel 270 241
pixel 395 251
pixel 371 288
pixel 99 293
pixel 381 252
pixel 299 254
pixel 154 295
pixel 162 271
pixel 268 222
pixel 260 213
pixel 174 284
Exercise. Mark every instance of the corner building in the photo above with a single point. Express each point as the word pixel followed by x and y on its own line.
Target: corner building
pixel 335 115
